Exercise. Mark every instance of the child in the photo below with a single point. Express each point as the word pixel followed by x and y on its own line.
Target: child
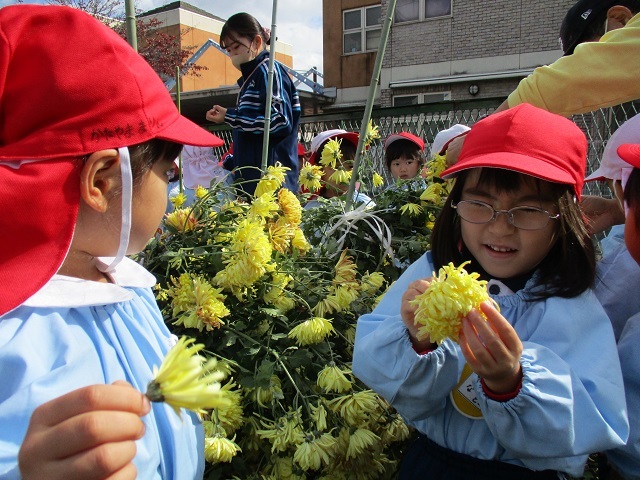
pixel 626 459
pixel 245 40
pixel 403 153
pixel 88 137
pixel 522 395
pixel 617 273
pixel 332 187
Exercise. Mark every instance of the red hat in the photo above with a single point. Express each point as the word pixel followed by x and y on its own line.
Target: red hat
pixel 69 86
pixel 528 140
pixel 630 153
pixel 404 136
pixel 322 137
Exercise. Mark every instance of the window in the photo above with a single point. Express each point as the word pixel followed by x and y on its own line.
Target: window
pixel 412 10
pixel 419 98
pixel 361 29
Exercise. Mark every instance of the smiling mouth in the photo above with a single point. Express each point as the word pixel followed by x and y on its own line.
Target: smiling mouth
pixel 500 249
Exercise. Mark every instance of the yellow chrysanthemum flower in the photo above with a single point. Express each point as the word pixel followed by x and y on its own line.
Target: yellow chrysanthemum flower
pixel 271 180
pixel 290 206
pixel 264 396
pixel 333 379
pixel 263 206
pixel 231 416
pixel 201 192
pixel 299 241
pixel 359 441
pixel 196 303
pixel 412 209
pixel 345 295
pixel 435 166
pixel 373 133
pixel 355 408
pixel 248 257
pixel 284 432
pixel 331 153
pixel 435 193
pixel 317 450
pixel 178 200
pixel 319 416
pixel 311 177
pixel 187 380
pixel 346 270
pixel 395 431
pixel 219 449
pixel 311 331
pixel 279 282
pixel 450 297
pixel 181 220
pixel 377 180
pixel 327 306
pixel 372 282
pixel 340 176
pixel 281 233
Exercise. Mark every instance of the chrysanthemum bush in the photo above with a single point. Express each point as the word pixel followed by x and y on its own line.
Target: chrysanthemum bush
pixel 273 292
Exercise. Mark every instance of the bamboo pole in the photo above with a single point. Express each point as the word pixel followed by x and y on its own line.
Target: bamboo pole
pixel 267 108
pixel 373 88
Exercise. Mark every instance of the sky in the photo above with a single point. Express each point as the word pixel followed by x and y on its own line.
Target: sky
pixel 298 22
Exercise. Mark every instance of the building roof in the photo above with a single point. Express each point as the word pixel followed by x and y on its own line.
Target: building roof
pixel 183 5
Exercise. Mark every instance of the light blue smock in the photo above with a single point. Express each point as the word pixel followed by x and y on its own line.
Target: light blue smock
pixel 74 333
pixel 617 283
pixel 571 402
pixel 626 459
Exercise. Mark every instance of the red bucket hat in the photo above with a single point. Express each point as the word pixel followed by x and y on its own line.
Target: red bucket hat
pixel 69 86
pixel 529 140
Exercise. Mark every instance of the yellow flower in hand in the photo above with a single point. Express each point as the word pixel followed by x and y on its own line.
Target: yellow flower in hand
pixel 449 298
pixel 187 380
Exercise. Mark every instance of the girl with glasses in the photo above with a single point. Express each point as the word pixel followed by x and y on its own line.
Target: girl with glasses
pixel 533 389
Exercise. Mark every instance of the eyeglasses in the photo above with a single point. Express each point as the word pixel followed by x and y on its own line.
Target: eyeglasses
pixel 524 217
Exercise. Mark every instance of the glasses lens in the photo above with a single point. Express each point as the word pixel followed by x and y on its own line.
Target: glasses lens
pixel 529 218
pixel 475 212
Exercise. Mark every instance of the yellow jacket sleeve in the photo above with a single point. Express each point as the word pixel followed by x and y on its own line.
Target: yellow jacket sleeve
pixel 598 74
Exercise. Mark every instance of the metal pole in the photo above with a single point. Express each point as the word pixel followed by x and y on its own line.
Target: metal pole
pixel 132 34
pixel 267 108
pixel 373 88
pixel 178 87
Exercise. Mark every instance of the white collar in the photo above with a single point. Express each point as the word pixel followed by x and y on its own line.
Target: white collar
pixel 71 292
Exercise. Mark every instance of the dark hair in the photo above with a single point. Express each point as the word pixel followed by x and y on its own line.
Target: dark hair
pixel 632 194
pixel 145 155
pixel 403 148
pixel 242 25
pixel 569 267
pixel 595 28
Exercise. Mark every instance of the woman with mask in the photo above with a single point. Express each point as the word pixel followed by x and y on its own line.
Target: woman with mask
pixel 245 41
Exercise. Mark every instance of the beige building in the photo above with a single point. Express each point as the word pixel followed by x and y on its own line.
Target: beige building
pixel 195 27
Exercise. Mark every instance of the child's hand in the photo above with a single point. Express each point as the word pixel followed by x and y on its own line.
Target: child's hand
pixel 88 433
pixel 492 349
pixel 407 311
pixel 216 114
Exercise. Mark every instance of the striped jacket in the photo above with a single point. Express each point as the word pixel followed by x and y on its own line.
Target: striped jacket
pixel 247 120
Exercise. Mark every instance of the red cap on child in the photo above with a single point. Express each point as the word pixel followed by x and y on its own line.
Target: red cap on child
pixel 630 153
pixel 404 136
pixel 528 140
pixel 69 86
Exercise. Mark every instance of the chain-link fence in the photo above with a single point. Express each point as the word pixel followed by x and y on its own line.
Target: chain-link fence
pixel 427 120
